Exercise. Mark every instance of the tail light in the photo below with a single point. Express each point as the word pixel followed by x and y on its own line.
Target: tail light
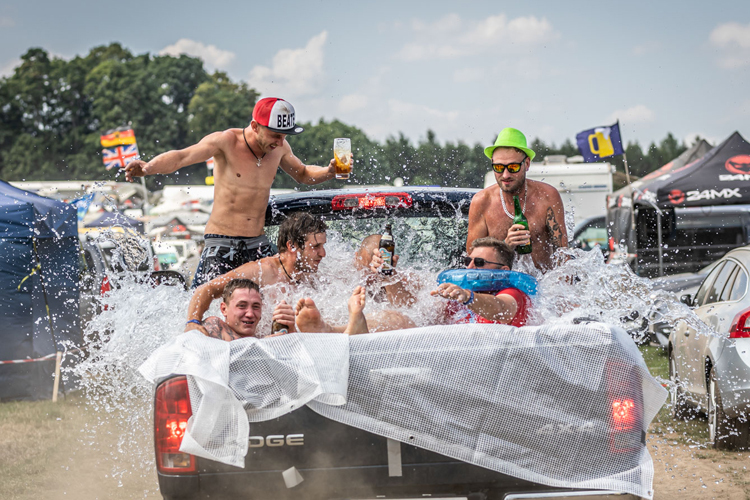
pixel 740 328
pixel 626 408
pixel 370 201
pixel 106 287
pixel 170 422
pixel 156 264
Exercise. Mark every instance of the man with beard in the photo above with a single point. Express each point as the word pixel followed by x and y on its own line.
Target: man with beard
pixel 492 209
pixel 246 161
pixel 301 242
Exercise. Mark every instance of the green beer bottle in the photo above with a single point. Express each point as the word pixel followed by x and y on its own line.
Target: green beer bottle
pixel 520 218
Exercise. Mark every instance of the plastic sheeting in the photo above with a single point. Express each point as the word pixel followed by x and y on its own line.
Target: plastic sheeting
pixel 534 402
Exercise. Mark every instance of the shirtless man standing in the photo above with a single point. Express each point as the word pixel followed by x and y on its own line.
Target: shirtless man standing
pixel 491 212
pixel 246 162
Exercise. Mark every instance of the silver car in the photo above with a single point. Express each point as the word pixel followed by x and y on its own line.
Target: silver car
pixel 710 367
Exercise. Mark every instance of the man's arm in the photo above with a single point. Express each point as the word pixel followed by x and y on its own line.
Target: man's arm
pixel 306 174
pixel 171 161
pixel 555 221
pixel 206 293
pixel 501 308
pixel 477 224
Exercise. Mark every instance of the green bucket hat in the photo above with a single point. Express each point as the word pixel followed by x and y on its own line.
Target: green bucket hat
pixel 510 138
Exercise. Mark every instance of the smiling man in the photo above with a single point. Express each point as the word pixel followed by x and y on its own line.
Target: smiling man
pixel 301 242
pixel 242 308
pixel 246 162
pixel 491 212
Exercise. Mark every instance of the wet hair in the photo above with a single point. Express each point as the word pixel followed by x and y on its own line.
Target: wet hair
pixel 295 229
pixel 506 254
pixel 236 284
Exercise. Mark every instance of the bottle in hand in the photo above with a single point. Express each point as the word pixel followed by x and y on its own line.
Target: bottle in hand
pixel 520 218
pixel 277 327
pixel 387 248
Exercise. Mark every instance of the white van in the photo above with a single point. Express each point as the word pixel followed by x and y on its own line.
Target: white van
pixel 583 186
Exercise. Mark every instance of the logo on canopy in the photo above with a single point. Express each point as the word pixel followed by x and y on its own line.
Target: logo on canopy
pixel 739 164
pixel 676 197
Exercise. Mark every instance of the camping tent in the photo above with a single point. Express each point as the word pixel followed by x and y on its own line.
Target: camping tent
pixel 109 219
pixel 693 186
pixel 38 290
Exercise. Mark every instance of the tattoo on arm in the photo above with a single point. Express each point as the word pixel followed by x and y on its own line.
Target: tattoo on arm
pixel 218 329
pixel 554 228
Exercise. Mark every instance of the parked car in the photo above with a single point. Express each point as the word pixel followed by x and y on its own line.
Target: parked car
pixel 711 371
pixel 106 257
pixel 589 233
pixel 679 284
pixel 339 461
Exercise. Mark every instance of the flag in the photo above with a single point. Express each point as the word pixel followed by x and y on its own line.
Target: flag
pixel 119 156
pixel 82 204
pixel 600 142
pixel 118 137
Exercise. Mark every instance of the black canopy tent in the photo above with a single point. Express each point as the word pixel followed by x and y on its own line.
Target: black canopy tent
pixel 686 213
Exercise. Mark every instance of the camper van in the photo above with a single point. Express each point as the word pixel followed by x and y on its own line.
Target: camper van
pixel 583 186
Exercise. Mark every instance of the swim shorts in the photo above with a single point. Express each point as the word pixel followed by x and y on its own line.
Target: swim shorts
pixel 224 253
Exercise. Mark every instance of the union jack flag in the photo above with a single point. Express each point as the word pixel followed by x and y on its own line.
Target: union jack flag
pixel 120 156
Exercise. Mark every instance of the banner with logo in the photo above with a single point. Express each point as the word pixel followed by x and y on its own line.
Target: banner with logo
pixel 600 142
pixel 720 177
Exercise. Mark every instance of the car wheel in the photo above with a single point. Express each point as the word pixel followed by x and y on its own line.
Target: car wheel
pixel 681 409
pixel 724 432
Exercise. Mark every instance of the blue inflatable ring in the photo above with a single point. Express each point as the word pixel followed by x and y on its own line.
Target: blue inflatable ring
pixel 488 280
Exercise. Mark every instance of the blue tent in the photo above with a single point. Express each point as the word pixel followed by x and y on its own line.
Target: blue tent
pixel 109 219
pixel 38 289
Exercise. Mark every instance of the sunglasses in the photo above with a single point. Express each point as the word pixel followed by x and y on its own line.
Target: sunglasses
pixel 513 168
pixel 480 262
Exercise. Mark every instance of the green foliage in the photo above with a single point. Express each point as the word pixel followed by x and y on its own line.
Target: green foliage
pixel 53 111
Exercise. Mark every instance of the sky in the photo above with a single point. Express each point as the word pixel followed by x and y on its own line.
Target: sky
pixel 464 70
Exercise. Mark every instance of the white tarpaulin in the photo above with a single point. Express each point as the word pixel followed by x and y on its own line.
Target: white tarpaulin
pixel 537 403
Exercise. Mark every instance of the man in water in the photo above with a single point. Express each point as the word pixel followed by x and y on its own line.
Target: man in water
pixel 504 306
pixel 246 161
pixel 301 242
pixel 242 308
pixel 492 210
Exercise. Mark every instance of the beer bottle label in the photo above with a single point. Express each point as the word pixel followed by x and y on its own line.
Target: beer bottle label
pixel 282 330
pixel 387 259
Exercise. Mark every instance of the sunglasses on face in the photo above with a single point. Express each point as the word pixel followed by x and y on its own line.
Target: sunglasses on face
pixel 513 168
pixel 480 262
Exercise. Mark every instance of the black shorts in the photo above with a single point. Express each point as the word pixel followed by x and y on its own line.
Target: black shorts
pixel 224 253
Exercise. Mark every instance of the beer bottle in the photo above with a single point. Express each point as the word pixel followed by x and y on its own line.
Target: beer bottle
pixel 277 327
pixel 520 218
pixel 387 248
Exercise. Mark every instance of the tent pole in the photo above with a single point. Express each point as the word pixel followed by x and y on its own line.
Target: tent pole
pixel 46 302
pixel 658 237
pixel 632 201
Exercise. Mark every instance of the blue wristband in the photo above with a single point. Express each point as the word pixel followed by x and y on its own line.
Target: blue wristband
pixel 196 321
pixel 470 299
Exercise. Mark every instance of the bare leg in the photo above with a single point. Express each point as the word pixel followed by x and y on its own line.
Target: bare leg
pixel 357 322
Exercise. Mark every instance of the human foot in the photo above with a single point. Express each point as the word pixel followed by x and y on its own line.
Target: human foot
pixel 308 317
pixel 357 322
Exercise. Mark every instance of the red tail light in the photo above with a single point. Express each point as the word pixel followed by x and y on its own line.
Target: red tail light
pixel 156 264
pixel 626 402
pixel 740 328
pixel 170 422
pixel 105 288
pixel 370 201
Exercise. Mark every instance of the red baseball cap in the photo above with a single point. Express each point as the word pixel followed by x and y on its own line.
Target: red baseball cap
pixel 277 115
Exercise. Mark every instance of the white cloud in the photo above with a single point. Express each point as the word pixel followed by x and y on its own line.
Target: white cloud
pixel 353 102
pixel 646 48
pixel 635 114
pixel 7 69
pixel 293 72
pixel 210 54
pixel 468 75
pixel 6 22
pixel 452 37
pixel 733 39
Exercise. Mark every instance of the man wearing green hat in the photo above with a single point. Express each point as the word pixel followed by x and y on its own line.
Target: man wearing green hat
pixel 492 210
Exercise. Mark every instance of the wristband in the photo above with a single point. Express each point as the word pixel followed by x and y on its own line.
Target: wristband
pixel 196 321
pixel 470 299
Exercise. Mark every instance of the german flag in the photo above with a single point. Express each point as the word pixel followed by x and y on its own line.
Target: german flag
pixel 118 137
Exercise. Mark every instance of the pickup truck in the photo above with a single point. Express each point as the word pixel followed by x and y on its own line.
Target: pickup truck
pixel 305 455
